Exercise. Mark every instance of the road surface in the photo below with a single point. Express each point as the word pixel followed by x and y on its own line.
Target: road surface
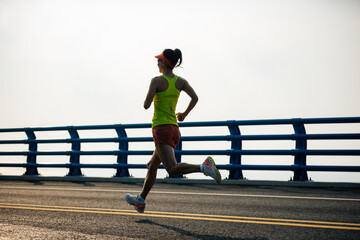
pixel 65 210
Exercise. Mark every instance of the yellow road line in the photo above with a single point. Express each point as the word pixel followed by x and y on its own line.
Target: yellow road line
pixel 257 218
pixel 188 216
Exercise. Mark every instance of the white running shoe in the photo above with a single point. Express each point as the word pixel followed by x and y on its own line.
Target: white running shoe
pixel 209 169
pixel 137 202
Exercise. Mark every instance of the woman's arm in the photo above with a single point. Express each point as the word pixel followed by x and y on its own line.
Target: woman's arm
pixel 151 93
pixel 194 99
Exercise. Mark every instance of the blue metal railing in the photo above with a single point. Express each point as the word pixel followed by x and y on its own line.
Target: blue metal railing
pixel 235 166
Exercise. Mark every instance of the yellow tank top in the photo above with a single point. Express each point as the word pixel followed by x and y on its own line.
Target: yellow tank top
pixel 165 104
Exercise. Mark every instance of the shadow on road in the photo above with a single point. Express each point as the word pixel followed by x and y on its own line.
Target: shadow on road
pixel 195 235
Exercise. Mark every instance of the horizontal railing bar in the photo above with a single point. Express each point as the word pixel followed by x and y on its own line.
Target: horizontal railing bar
pixel 197 124
pixel 68 153
pixel 68 165
pixel 292 152
pixel 334 136
pixel 83 140
pixel 331 168
pixel 273 122
pixel 327 120
pixel 290 167
pixel 221 167
pixel 345 152
pixel 89 127
pixel 349 136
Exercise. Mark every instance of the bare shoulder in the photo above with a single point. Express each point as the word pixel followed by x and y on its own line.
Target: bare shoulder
pixel 181 83
pixel 157 79
pixel 159 84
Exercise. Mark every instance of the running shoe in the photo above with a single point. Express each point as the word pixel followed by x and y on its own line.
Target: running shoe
pixel 209 169
pixel 137 202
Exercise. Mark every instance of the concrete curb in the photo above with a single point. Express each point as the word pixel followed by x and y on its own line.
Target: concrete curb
pixel 185 181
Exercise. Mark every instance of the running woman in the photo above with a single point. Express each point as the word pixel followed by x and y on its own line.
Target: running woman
pixel 164 91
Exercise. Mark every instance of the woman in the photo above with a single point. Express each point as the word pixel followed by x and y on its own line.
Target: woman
pixel 164 91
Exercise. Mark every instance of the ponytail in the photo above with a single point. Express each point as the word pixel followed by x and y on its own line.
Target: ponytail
pixel 178 56
pixel 174 56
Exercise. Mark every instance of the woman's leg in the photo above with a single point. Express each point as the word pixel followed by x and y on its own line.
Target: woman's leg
pixel 165 154
pixel 150 179
pixel 167 157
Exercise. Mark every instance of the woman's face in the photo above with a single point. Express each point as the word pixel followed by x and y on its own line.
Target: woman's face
pixel 161 65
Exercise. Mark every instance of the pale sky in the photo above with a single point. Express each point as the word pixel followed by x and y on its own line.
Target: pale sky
pixel 88 62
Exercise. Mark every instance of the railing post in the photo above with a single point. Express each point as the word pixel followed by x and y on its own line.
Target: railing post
pixel 300 159
pixel 31 158
pixel 74 158
pixel 235 145
pixel 178 157
pixel 122 158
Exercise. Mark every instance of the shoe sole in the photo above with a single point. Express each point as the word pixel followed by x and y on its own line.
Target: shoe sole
pixel 218 175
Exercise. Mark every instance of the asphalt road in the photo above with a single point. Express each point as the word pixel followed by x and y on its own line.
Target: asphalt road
pixel 62 210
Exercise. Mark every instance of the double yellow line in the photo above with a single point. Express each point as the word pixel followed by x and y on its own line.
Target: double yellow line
pixel 190 216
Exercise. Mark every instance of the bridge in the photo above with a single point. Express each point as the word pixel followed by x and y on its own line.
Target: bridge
pixel 79 207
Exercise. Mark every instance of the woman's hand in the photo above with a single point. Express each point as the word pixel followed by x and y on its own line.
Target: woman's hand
pixel 181 116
